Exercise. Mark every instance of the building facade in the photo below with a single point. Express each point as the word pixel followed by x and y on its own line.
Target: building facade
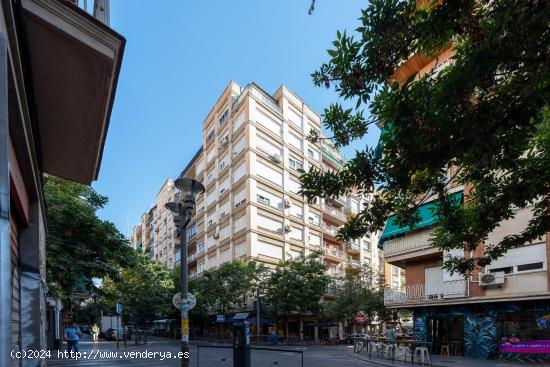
pixel 59 68
pixel 253 146
pixel 501 311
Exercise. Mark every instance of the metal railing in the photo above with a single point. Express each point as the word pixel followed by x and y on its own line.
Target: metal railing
pixel 409 243
pixel 430 293
pixel 100 9
pixel 330 229
pixel 335 212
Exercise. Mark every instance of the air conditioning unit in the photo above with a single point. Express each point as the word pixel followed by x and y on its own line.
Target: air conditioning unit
pixel 224 141
pixel 288 204
pixel 288 228
pixel 276 158
pixel 216 235
pixel 489 279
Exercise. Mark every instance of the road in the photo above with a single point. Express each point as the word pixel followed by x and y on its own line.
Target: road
pixel 103 355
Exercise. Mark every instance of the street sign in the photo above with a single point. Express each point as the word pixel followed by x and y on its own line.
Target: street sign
pixel 220 318
pixel 191 300
pixel 119 309
pixel 360 317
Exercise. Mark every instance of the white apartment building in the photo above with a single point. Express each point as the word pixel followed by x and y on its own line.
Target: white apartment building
pixel 253 145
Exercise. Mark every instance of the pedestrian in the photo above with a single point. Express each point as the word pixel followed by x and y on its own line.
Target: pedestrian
pixel 95 333
pixel 72 336
pixel 390 335
pixel 274 338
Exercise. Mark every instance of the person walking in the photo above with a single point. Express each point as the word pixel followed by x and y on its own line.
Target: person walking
pixel 95 333
pixel 72 336
pixel 274 338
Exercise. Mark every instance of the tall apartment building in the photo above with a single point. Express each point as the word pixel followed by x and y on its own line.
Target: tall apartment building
pixel 253 145
pixel 500 311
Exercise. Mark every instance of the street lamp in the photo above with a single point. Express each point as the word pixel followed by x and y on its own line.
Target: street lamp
pixel 183 208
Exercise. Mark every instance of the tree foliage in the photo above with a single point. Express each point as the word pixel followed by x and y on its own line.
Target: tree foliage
pixel 79 245
pixel 486 114
pixel 145 290
pixel 226 288
pixel 296 286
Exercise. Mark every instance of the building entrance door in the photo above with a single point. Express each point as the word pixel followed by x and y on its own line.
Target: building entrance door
pixel 446 334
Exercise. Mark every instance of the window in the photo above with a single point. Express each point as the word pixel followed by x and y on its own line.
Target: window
pixel 224 209
pixel 297 211
pixel 506 270
pixel 239 250
pixel 224 185
pixel 210 135
pixel 239 146
pixel 269 224
pixel 211 197
pixel 224 162
pixel 313 153
pixel 225 232
pixel 314 218
pixel 262 199
pixel 269 173
pixel 270 250
pixel 532 266
pixel 297 234
pixel 223 117
pixel 200 267
pixel 239 198
pixel 212 219
pixel 294 164
pixel 211 155
pixel 238 122
pixel 314 240
pixel 293 186
pixel 192 231
pixel 395 285
pixel 268 198
pixel 238 173
pixel 199 167
pixel 269 123
pixel 267 147
pixel 201 247
pixel 239 224
pixel 294 117
pixel 395 271
pixel 296 141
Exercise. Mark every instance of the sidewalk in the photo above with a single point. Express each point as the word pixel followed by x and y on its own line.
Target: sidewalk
pixel 439 361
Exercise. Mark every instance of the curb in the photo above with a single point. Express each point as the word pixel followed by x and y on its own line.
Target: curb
pixel 379 362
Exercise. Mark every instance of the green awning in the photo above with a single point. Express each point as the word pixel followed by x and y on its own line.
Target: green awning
pixel 427 219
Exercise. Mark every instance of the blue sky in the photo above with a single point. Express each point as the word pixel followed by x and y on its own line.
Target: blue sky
pixel 179 56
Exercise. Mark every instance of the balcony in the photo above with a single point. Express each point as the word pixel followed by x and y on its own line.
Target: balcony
pixel 414 245
pixel 337 214
pixel 330 230
pixel 191 258
pixel 353 248
pixel 422 294
pixel 333 253
pixel 75 60
pixel 355 263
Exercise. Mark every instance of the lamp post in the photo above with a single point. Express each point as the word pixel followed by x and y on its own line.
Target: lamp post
pixel 183 209
pixel 261 285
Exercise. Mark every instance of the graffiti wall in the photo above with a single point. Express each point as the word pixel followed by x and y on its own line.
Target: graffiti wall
pixel 517 331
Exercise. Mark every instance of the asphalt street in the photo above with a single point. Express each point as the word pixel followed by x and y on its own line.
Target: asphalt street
pixel 103 355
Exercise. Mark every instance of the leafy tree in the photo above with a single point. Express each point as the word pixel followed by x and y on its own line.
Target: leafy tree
pixel 296 287
pixel 145 290
pixel 224 289
pixel 79 245
pixel 486 115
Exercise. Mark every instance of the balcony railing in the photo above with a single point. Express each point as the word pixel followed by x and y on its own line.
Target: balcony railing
pixel 100 9
pixel 421 293
pixel 409 243
pixel 333 251
pixel 335 212
pixel 191 258
pixel 355 263
pixel 330 230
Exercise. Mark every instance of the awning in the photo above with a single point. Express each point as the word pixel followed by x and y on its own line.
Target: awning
pixel 427 219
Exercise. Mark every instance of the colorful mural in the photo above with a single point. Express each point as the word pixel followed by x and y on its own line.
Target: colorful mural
pixel 480 330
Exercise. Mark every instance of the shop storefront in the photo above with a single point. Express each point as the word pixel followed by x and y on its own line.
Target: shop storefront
pixel 518 331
